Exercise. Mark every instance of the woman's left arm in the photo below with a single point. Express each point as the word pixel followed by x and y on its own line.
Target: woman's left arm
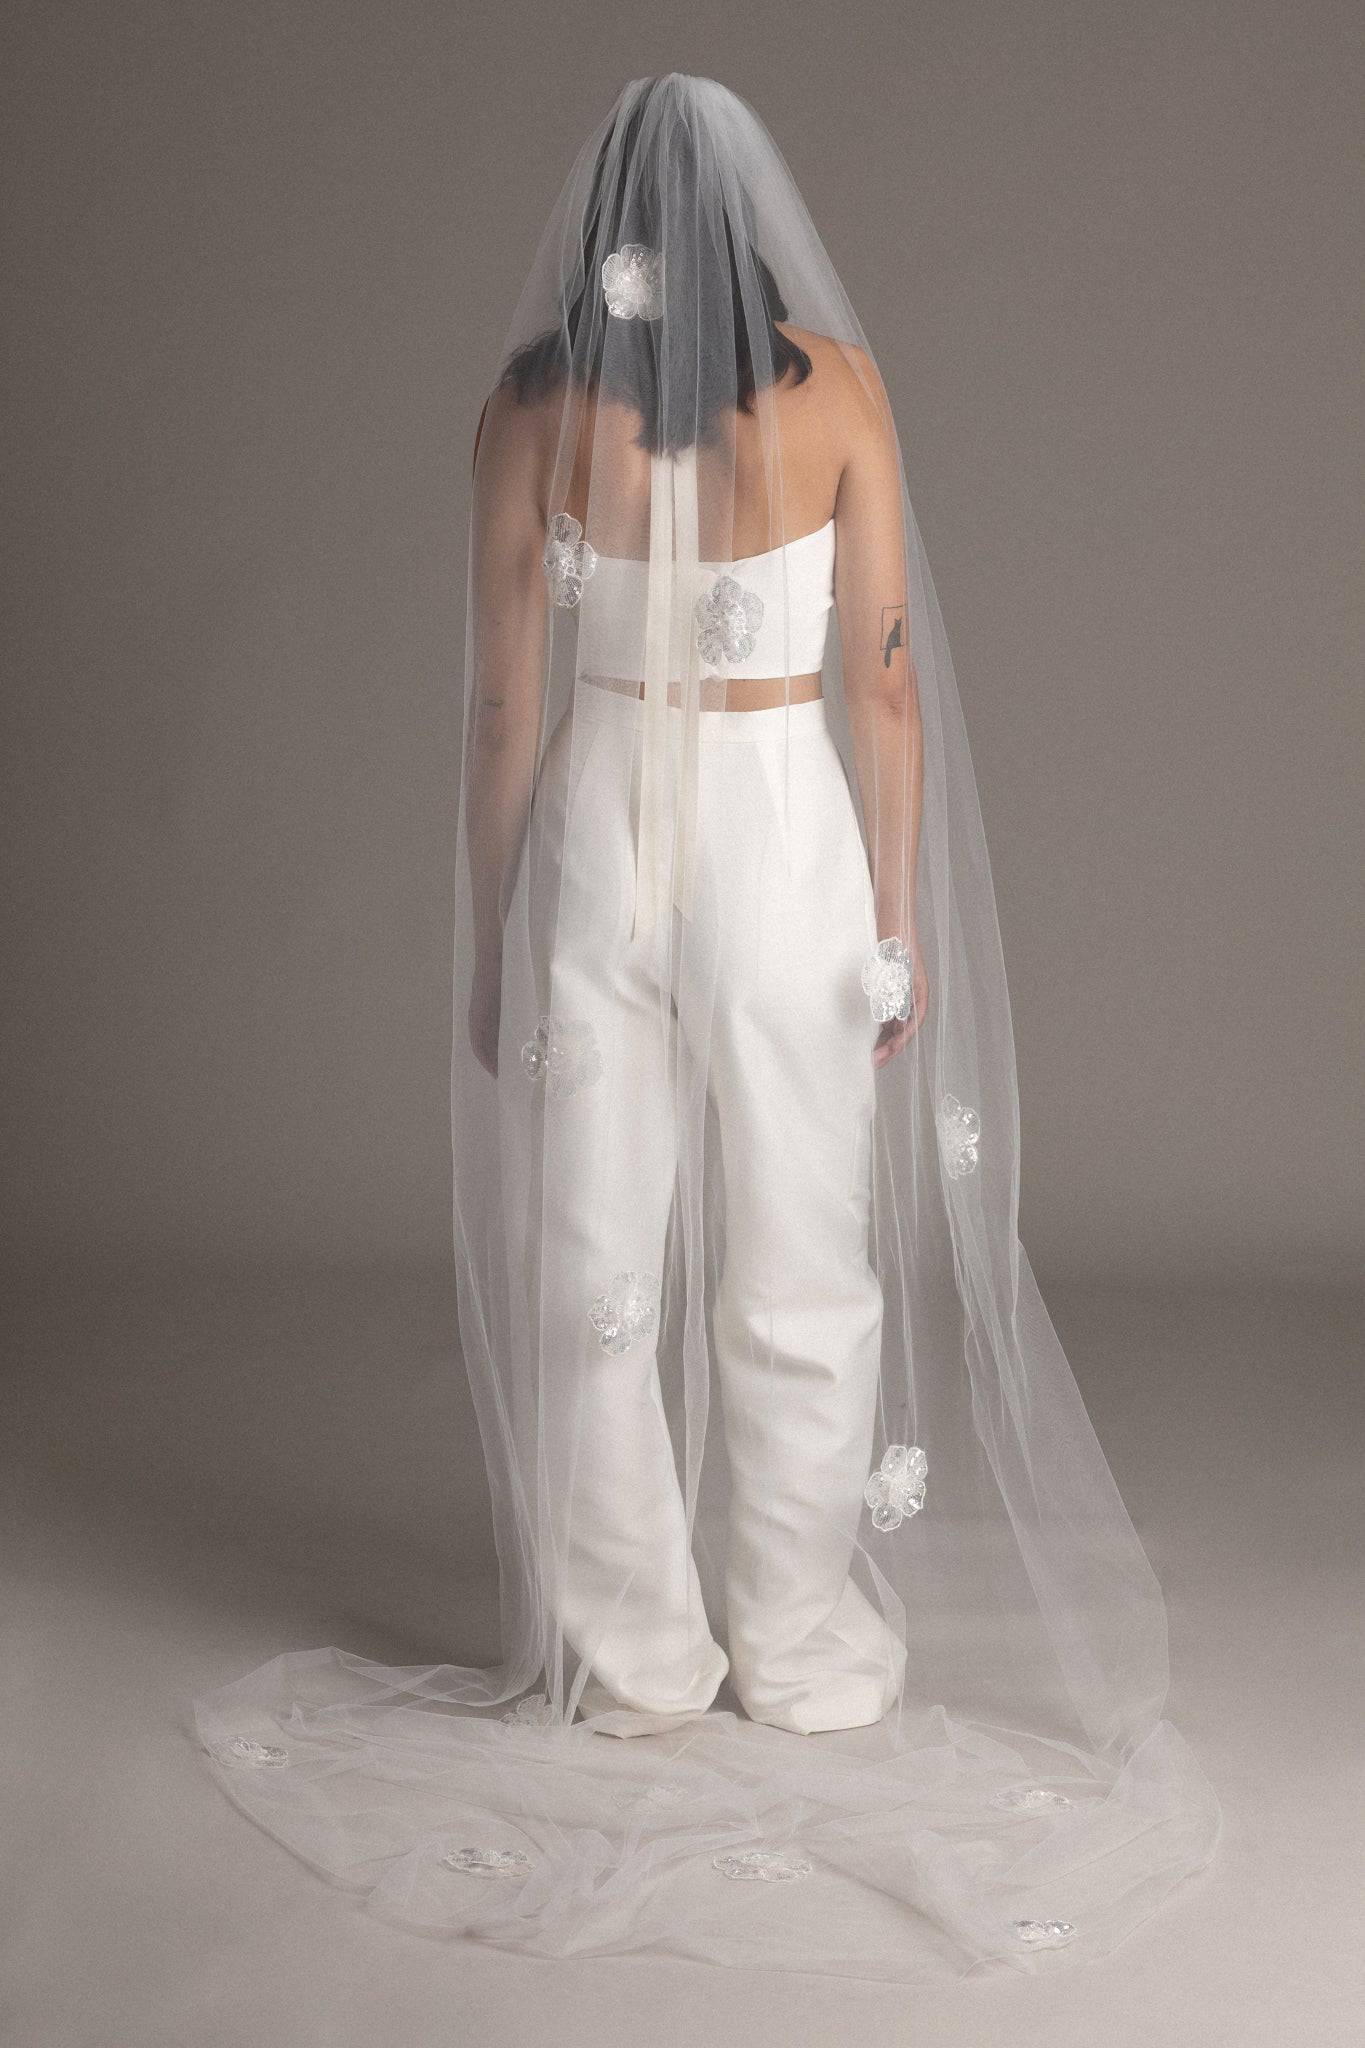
pixel 881 689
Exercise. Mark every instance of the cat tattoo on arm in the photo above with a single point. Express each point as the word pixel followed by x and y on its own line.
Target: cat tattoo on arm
pixel 893 631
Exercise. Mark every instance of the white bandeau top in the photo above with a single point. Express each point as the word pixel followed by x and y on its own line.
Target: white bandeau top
pixel 758 616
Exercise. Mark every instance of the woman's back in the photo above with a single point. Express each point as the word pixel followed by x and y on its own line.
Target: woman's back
pixel 773 506
pixel 743 509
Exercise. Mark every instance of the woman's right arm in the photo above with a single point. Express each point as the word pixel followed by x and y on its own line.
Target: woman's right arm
pixel 507 639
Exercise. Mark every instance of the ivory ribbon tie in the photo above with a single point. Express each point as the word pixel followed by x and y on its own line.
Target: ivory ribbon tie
pixel 668 780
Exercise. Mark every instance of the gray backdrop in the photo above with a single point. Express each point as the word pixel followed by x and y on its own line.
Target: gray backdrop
pixel 261 260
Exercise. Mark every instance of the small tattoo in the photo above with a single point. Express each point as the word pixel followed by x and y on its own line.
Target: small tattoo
pixel 893 631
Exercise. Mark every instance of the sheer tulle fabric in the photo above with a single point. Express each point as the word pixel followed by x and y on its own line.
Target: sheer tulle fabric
pixel 793 1489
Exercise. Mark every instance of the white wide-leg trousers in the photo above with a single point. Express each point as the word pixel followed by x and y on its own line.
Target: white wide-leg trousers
pixel 770 1017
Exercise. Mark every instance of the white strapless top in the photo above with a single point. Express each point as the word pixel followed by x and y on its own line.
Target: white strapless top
pixel 758 616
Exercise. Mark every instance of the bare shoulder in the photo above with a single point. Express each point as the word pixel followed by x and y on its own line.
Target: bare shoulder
pixel 515 427
pixel 845 383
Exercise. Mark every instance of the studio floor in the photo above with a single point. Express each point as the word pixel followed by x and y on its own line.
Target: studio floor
pixel 208 1467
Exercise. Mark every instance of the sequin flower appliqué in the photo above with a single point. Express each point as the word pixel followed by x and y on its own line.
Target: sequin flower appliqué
pixel 889 980
pixel 959 1137
pixel 568 560
pixel 633 282
pixel 485 1863
pixel 563 1053
pixel 626 1312
pixel 896 1490
pixel 244 1750
pixel 535 1711
pixel 761 1866
pixel 728 618
pixel 1044 1933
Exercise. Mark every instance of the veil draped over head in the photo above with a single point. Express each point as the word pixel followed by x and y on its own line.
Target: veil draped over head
pixel 892 1725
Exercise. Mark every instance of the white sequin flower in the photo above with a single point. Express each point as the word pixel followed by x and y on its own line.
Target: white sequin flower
pixel 896 1489
pixel 888 980
pixel 563 1053
pixel 763 1866
pixel 535 1711
pixel 728 619
pixel 1030 1798
pixel 959 1136
pixel 255 1755
pixel 568 560
pixel 1044 1933
pixel 487 1862
pixel 626 1312
pixel 633 282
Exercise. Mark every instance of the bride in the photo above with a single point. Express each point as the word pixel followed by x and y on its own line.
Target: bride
pixel 793 1489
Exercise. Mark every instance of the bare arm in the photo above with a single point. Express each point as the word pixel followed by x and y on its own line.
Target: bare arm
pixel 507 631
pixel 880 684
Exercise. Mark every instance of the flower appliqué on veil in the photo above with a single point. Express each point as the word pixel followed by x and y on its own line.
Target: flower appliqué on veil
pixel 487 1862
pixel 959 1136
pixel 563 1053
pixel 1030 1798
pixel 896 1489
pixel 763 1866
pixel 568 560
pixel 633 282
pixel 888 979
pixel 255 1755
pixel 1044 1933
pixel 626 1312
pixel 728 618
pixel 535 1711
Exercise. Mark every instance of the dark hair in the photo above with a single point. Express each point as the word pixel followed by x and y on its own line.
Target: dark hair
pixel 678 401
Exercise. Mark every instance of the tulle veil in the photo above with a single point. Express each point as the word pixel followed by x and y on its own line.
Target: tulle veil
pixel 1025 1801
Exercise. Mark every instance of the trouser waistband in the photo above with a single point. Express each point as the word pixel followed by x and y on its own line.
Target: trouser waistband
pixel 772 721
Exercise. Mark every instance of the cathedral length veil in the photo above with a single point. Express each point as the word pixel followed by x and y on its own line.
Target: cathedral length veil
pixel 1022 1800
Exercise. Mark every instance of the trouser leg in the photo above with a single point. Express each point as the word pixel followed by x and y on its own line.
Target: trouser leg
pixel 624 1584
pixel 797 1319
